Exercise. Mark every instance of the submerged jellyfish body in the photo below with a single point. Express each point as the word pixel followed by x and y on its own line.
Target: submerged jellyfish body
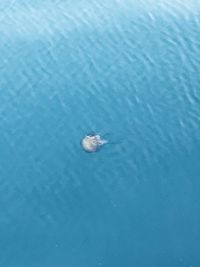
pixel 92 143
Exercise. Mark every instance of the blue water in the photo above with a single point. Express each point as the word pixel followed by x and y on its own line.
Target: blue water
pixel 128 68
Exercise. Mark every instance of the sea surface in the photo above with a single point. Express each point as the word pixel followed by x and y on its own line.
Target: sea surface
pixel 128 70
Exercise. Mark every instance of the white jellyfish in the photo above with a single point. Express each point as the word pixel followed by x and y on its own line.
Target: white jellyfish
pixel 92 142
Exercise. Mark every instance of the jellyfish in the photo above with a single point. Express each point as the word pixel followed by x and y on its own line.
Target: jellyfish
pixel 92 142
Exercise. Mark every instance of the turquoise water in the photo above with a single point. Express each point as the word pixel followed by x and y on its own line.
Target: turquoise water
pixel 127 68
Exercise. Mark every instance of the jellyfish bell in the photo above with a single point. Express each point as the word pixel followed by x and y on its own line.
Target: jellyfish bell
pixel 92 142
